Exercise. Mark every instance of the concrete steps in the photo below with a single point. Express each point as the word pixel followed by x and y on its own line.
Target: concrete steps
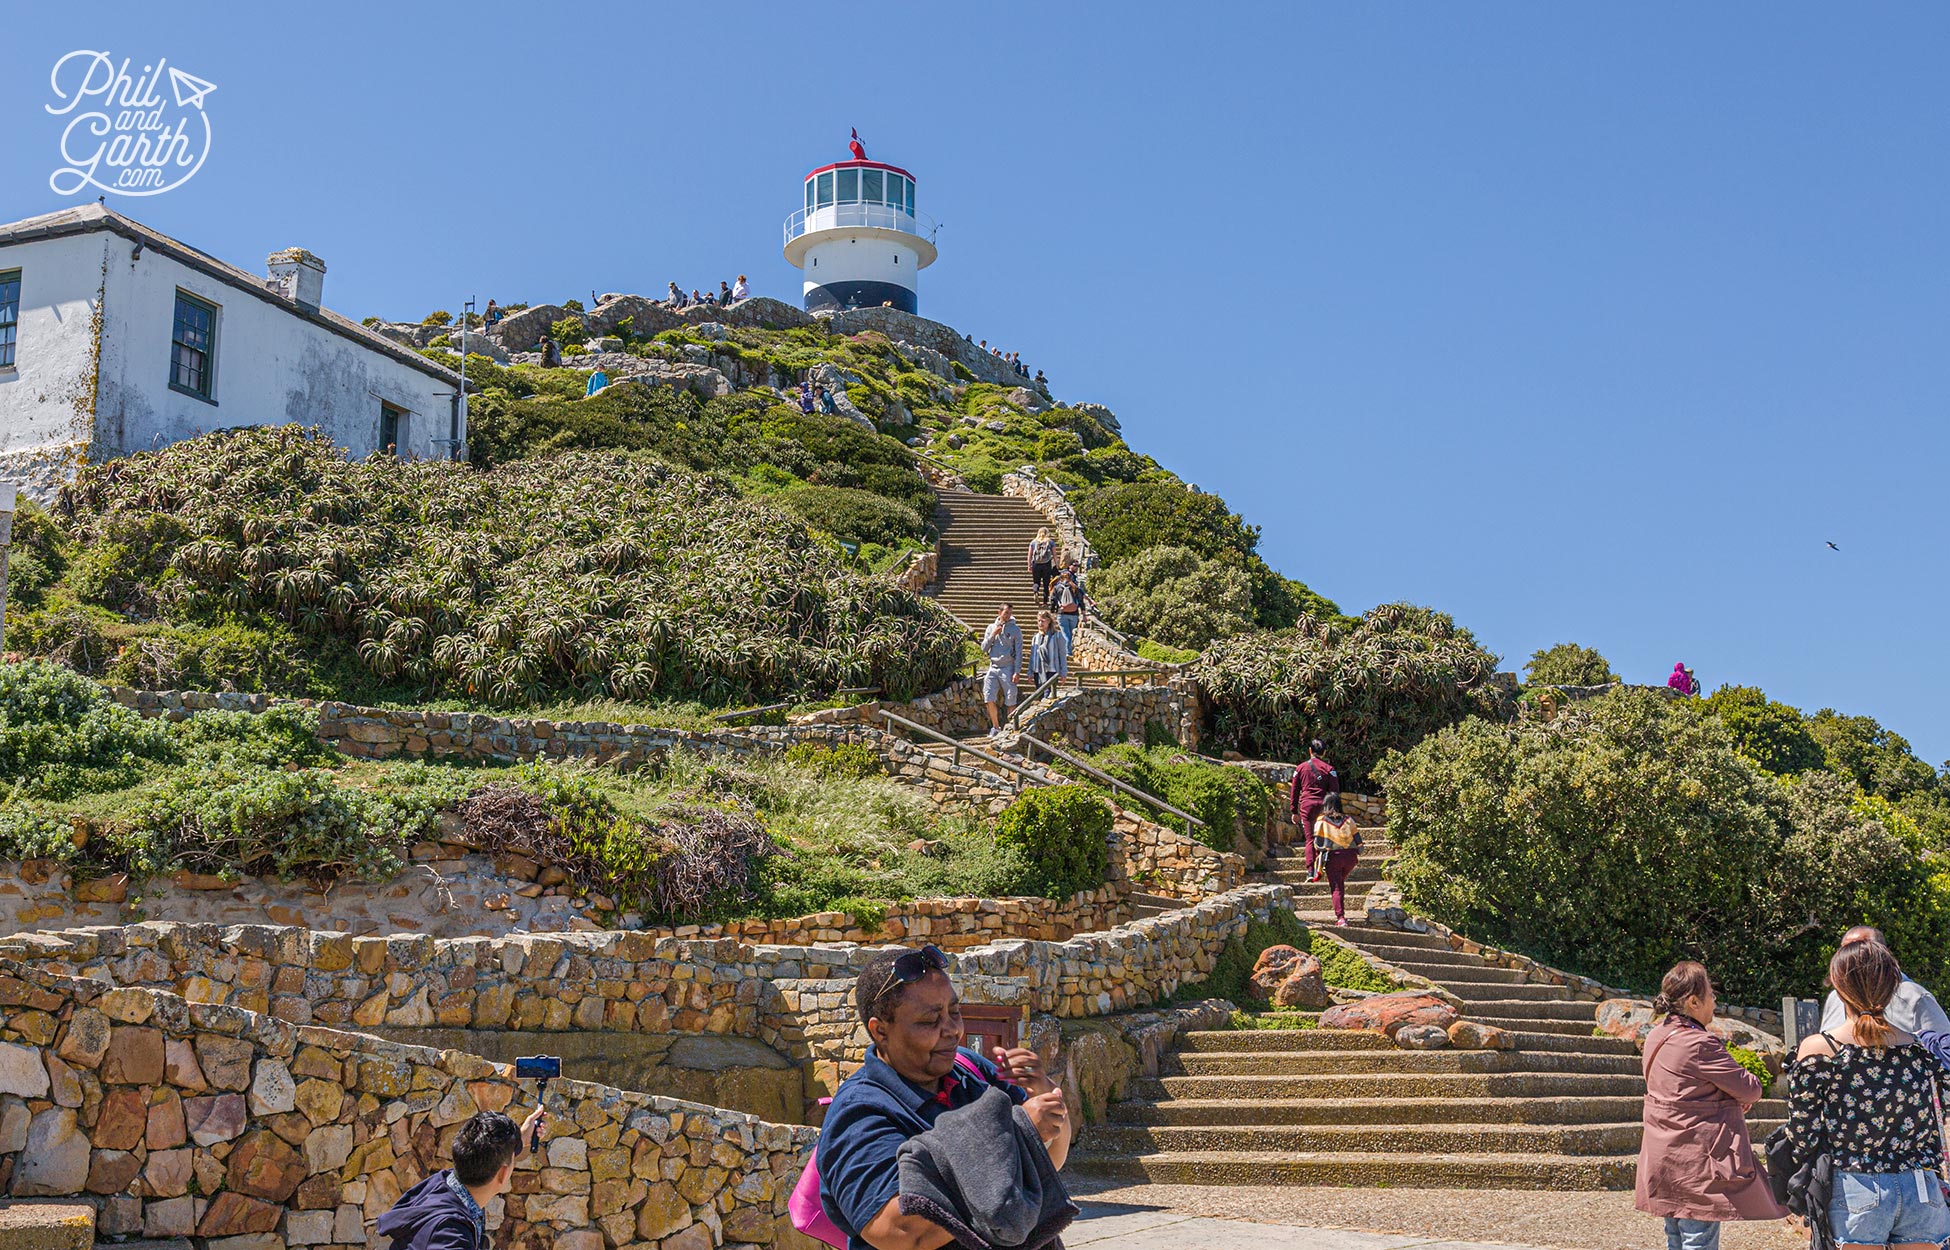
pixel 984 561
pixel 1618 1138
pixel 46 1224
pixel 1508 1084
pixel 1310 1063
pixel 1388 1110
pixel 1417 1169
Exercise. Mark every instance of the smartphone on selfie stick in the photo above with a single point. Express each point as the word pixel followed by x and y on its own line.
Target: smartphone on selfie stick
pixel 543 1068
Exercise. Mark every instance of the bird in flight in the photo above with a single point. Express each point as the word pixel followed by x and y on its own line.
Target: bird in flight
pixel 1833 547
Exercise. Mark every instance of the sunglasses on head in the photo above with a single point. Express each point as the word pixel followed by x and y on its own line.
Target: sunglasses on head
pixel 911 966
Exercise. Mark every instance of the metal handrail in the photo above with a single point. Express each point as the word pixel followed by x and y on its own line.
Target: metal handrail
pixel 1015 713
pixel 1021 774
pixel 752 711
pixel 861 214
pixel 1100 775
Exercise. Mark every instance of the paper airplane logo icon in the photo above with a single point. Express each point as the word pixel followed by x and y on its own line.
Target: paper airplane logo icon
pixel 190 89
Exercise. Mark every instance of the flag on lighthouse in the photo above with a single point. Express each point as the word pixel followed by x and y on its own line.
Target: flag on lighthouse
pixel 853 146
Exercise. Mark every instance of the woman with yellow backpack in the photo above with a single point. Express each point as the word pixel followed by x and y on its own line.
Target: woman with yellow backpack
pixel 1337 839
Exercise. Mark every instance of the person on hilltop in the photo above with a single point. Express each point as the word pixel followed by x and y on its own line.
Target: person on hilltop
pixel 724 294
pixel 1337 844
pixel 1067 598
pixel 1682 680
pixel 676 297
pixel 1912 1008
pixel 493 314
pixel 551 353
pixel 917 1071
pixel 806 396
pixel 448 1210
pixel 1049 651
pixel 1696 1161
pixel 824 399
pixel 1313 780
pixel 1002 643
pixel 697 298
pixel 1042 563
pixel 1865 1095
pixel 740 290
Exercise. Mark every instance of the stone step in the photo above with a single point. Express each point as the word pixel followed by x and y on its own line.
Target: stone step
pixel 1469 974
pixel 1556 1028
pixel 1534 1039
pixel 1345 1085
pixel 57 1224
pixel 1414 1110
pixel 1616 1138
pixel 1482 989
pixel 1155 904
pixel 1415 1169
pixel 1391 1061
pixel 1282 1041
pixel 1502 1011
pixel 1388 935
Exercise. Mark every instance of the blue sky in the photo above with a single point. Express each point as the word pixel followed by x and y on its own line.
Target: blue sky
pixel 1576 321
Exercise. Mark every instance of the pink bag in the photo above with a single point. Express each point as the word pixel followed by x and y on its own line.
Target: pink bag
pixel 807 1215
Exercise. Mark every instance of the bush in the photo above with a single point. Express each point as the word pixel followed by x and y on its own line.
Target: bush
pixel 1063 832
pixel 1399 674
pixel 1568 664
pixel 1058 445
pixel 61 735
pixel 1231 801
pixel 1752 1061
pixel 569 332
pixel 1770 734
pixel 1127 518
pixel 1877 759
pixel 1174 596
pixel 1629 833
pixel 850 761
pixel 846 512
pixel 603 575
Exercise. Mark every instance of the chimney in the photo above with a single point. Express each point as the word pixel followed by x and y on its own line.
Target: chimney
pixel 298 276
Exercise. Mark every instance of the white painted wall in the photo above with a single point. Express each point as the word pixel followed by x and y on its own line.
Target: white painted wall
pixel 862 259
pixel 272 366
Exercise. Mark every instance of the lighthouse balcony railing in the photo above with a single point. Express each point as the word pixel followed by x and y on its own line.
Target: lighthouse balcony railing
pixel 870 216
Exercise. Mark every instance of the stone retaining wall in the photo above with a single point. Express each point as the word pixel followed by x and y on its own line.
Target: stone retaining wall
pixel 955 710
pixel 190 1119
pixel 1370 810
pixel 1048 499
pixel 919 572
pixel 1096 716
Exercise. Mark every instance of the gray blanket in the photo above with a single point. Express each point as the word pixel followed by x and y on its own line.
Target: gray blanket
pixel 983 1174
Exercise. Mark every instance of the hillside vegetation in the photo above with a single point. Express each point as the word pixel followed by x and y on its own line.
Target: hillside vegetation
pixel 598 573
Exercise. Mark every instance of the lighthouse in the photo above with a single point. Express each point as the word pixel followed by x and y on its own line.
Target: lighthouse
pixel 859 240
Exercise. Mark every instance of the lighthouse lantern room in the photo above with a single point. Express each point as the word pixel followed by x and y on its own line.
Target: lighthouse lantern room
pixel 859 240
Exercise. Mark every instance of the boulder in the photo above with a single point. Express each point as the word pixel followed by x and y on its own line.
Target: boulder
pixel 646 316
pixel 714 331
pixel 761 312
pixel 1386 1013
pixel 521 331
pixel 1104 416
pixel 1028 400
pixel 1469 1035
pixel 479 344
pixel 1421 1037
pixel 1628 1018
pixel 1286 977
pixel 1271 968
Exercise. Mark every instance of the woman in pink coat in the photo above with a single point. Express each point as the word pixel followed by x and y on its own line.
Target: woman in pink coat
pixel 1696 1163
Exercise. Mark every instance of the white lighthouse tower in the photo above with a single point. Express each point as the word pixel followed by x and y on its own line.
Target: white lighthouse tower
pixel 858 240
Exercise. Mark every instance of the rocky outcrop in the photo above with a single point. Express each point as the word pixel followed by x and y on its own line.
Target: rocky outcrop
pixel 1287 977
pixel 1634 1018
pixel 1388 1013
pixel 521 331
pixel 646 316
pixel 760 312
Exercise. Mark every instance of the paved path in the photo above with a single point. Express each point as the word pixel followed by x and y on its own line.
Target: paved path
pixel 1158 1217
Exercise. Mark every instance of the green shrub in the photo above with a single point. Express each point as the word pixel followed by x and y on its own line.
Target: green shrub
pixel 1629 833
pixel 569 332
pixel 1877 759
pixel 605 575
pixel 1568 664
pixel 1058 445
pixel 846 512
pixel 1770 734
pixel 61 735
pixel 1399 674
pixel 440 317
pixel 983 476
pixel 1231 801
pixel 1126 518
pixel 1064 834
pixel 1162 654
pixel 846 761
pixel 1752 1061
pixel 1174 596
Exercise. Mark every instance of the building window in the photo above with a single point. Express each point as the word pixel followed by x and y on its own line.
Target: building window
pixel 9 316
pixel 908 186
pixel 392 423
pixel 825 189
pixel 192 364
pixel 870 185
pixel 809 195
pixel 849 186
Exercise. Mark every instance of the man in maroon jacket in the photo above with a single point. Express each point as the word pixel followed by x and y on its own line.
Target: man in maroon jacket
pixel 1313 781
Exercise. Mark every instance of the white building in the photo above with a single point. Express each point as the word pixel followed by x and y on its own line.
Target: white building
pixel 116 339
pixel 859 239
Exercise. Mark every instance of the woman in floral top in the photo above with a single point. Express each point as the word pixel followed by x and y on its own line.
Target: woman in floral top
pixel 1865 1094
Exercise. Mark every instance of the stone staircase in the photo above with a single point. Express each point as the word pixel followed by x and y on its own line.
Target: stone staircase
pixel 1313 901
pixel 984 561
pixel 1305 1107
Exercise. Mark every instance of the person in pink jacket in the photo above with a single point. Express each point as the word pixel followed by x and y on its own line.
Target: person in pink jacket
pixel 1696 1161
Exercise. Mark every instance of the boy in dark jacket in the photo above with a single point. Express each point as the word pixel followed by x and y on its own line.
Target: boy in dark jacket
pixel 448 1210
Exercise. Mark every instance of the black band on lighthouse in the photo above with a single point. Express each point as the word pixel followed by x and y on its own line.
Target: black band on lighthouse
pixel 841 295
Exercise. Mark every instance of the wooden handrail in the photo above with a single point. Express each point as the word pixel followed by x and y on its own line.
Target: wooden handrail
pixel 1021 774
pixel 1100 775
